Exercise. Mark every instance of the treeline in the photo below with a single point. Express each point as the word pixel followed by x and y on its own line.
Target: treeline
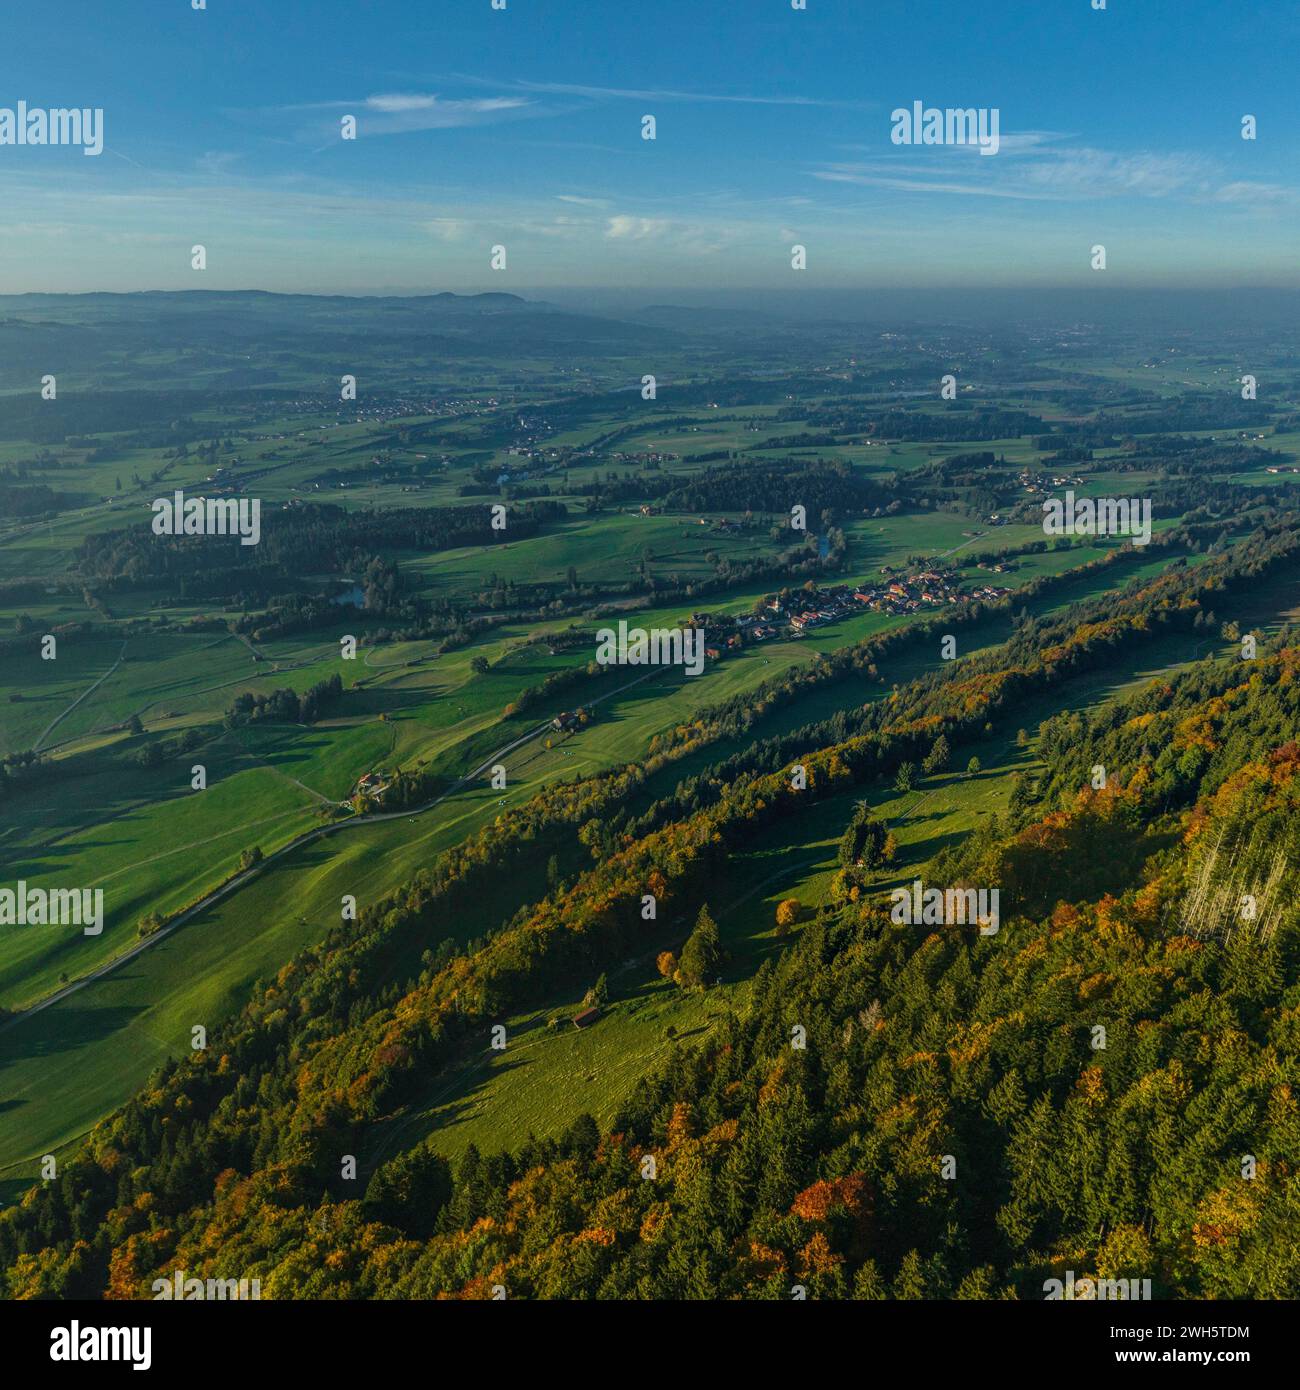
pixel 959 470
pixel 35 499
pixel 285 706
pixel 19 768
pixel 1219 738
pixel 734 717
pixel 957 422
pixel 776 487
pixel 1169 743
pixel 80 413
pixel 309 539
pixel 1188 412
pixel 569 678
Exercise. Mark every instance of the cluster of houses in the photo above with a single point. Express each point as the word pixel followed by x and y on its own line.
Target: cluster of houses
pixel 724 633
pixel 906 593
pixel 222 479
pixel 382 408
pixel 652 456
pixel 526 463
pixel 533 430
pixel 813 608
pixel 1045 482
pixel 532 458
pixel 724 526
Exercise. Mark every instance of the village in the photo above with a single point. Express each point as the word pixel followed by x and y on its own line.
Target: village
pixel 799 612
pixel 792 613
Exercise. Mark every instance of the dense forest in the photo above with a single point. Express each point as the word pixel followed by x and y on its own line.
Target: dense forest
pixel 312 538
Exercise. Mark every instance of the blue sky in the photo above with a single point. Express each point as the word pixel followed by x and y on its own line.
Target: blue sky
pixel 523 128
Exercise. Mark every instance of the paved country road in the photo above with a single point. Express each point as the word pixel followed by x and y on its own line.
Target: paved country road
pixel 244 877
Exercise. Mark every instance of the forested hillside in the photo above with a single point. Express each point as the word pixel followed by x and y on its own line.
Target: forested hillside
pixel 1105 1086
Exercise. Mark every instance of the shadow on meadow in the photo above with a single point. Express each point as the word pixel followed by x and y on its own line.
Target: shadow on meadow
pixel 57 1030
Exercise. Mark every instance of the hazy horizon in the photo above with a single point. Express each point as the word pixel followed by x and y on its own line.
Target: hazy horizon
pixel 773 130
pixel 1115 305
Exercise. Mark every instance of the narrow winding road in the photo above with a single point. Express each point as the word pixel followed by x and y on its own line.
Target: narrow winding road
pixel 307 837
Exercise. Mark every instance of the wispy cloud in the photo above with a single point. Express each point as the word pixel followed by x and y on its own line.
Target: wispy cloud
pixel 679 237
pixel 628 228
pixel 394 113
pixel 1249 191
pixel 217 161
pixel 399 101
pixel 592 93
pixel 1033 167
pixel 447 228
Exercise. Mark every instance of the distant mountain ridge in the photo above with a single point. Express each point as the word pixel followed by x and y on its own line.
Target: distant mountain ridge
pixel 299 336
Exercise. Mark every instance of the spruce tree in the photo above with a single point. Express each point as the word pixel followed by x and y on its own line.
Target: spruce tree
pixel 702 956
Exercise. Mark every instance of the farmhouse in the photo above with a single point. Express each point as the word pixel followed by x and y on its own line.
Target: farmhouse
pixel 371 784
pixel 586 1018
